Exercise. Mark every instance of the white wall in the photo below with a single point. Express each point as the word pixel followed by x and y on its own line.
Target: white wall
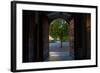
pixel 5 36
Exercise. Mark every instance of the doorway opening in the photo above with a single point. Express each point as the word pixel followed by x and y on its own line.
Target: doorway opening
pixel 59 46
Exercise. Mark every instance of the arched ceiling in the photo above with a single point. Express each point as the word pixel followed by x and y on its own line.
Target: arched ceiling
pixel 55 15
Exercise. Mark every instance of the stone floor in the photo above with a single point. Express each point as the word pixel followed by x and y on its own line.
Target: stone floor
pixel 59 54
pixel 56 47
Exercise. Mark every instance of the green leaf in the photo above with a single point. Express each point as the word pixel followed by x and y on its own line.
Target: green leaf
pixel 58 29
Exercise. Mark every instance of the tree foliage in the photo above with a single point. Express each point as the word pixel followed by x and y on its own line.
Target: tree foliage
pixel 58 29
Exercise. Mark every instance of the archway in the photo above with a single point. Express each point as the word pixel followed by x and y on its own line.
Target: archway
pixel 59 46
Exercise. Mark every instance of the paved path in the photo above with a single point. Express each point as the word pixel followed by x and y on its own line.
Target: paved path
pixel 59 54
pixel 56 47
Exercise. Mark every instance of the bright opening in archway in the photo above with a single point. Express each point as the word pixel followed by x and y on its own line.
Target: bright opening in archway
pixel 59 40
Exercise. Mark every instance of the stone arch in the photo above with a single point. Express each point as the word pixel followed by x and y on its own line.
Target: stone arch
pixel 69 19
pixel 56 15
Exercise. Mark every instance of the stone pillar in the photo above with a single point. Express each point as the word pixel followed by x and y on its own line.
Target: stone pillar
pixel 71 37
pixel 45 38
pixel 82 36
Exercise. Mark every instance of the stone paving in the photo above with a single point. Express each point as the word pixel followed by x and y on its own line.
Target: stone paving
pixel 59 54
pixel 56 47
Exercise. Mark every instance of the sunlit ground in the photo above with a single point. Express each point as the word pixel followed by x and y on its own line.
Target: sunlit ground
pixel 56 53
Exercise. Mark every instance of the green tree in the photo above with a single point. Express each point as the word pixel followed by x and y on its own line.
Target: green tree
pixel 59 30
